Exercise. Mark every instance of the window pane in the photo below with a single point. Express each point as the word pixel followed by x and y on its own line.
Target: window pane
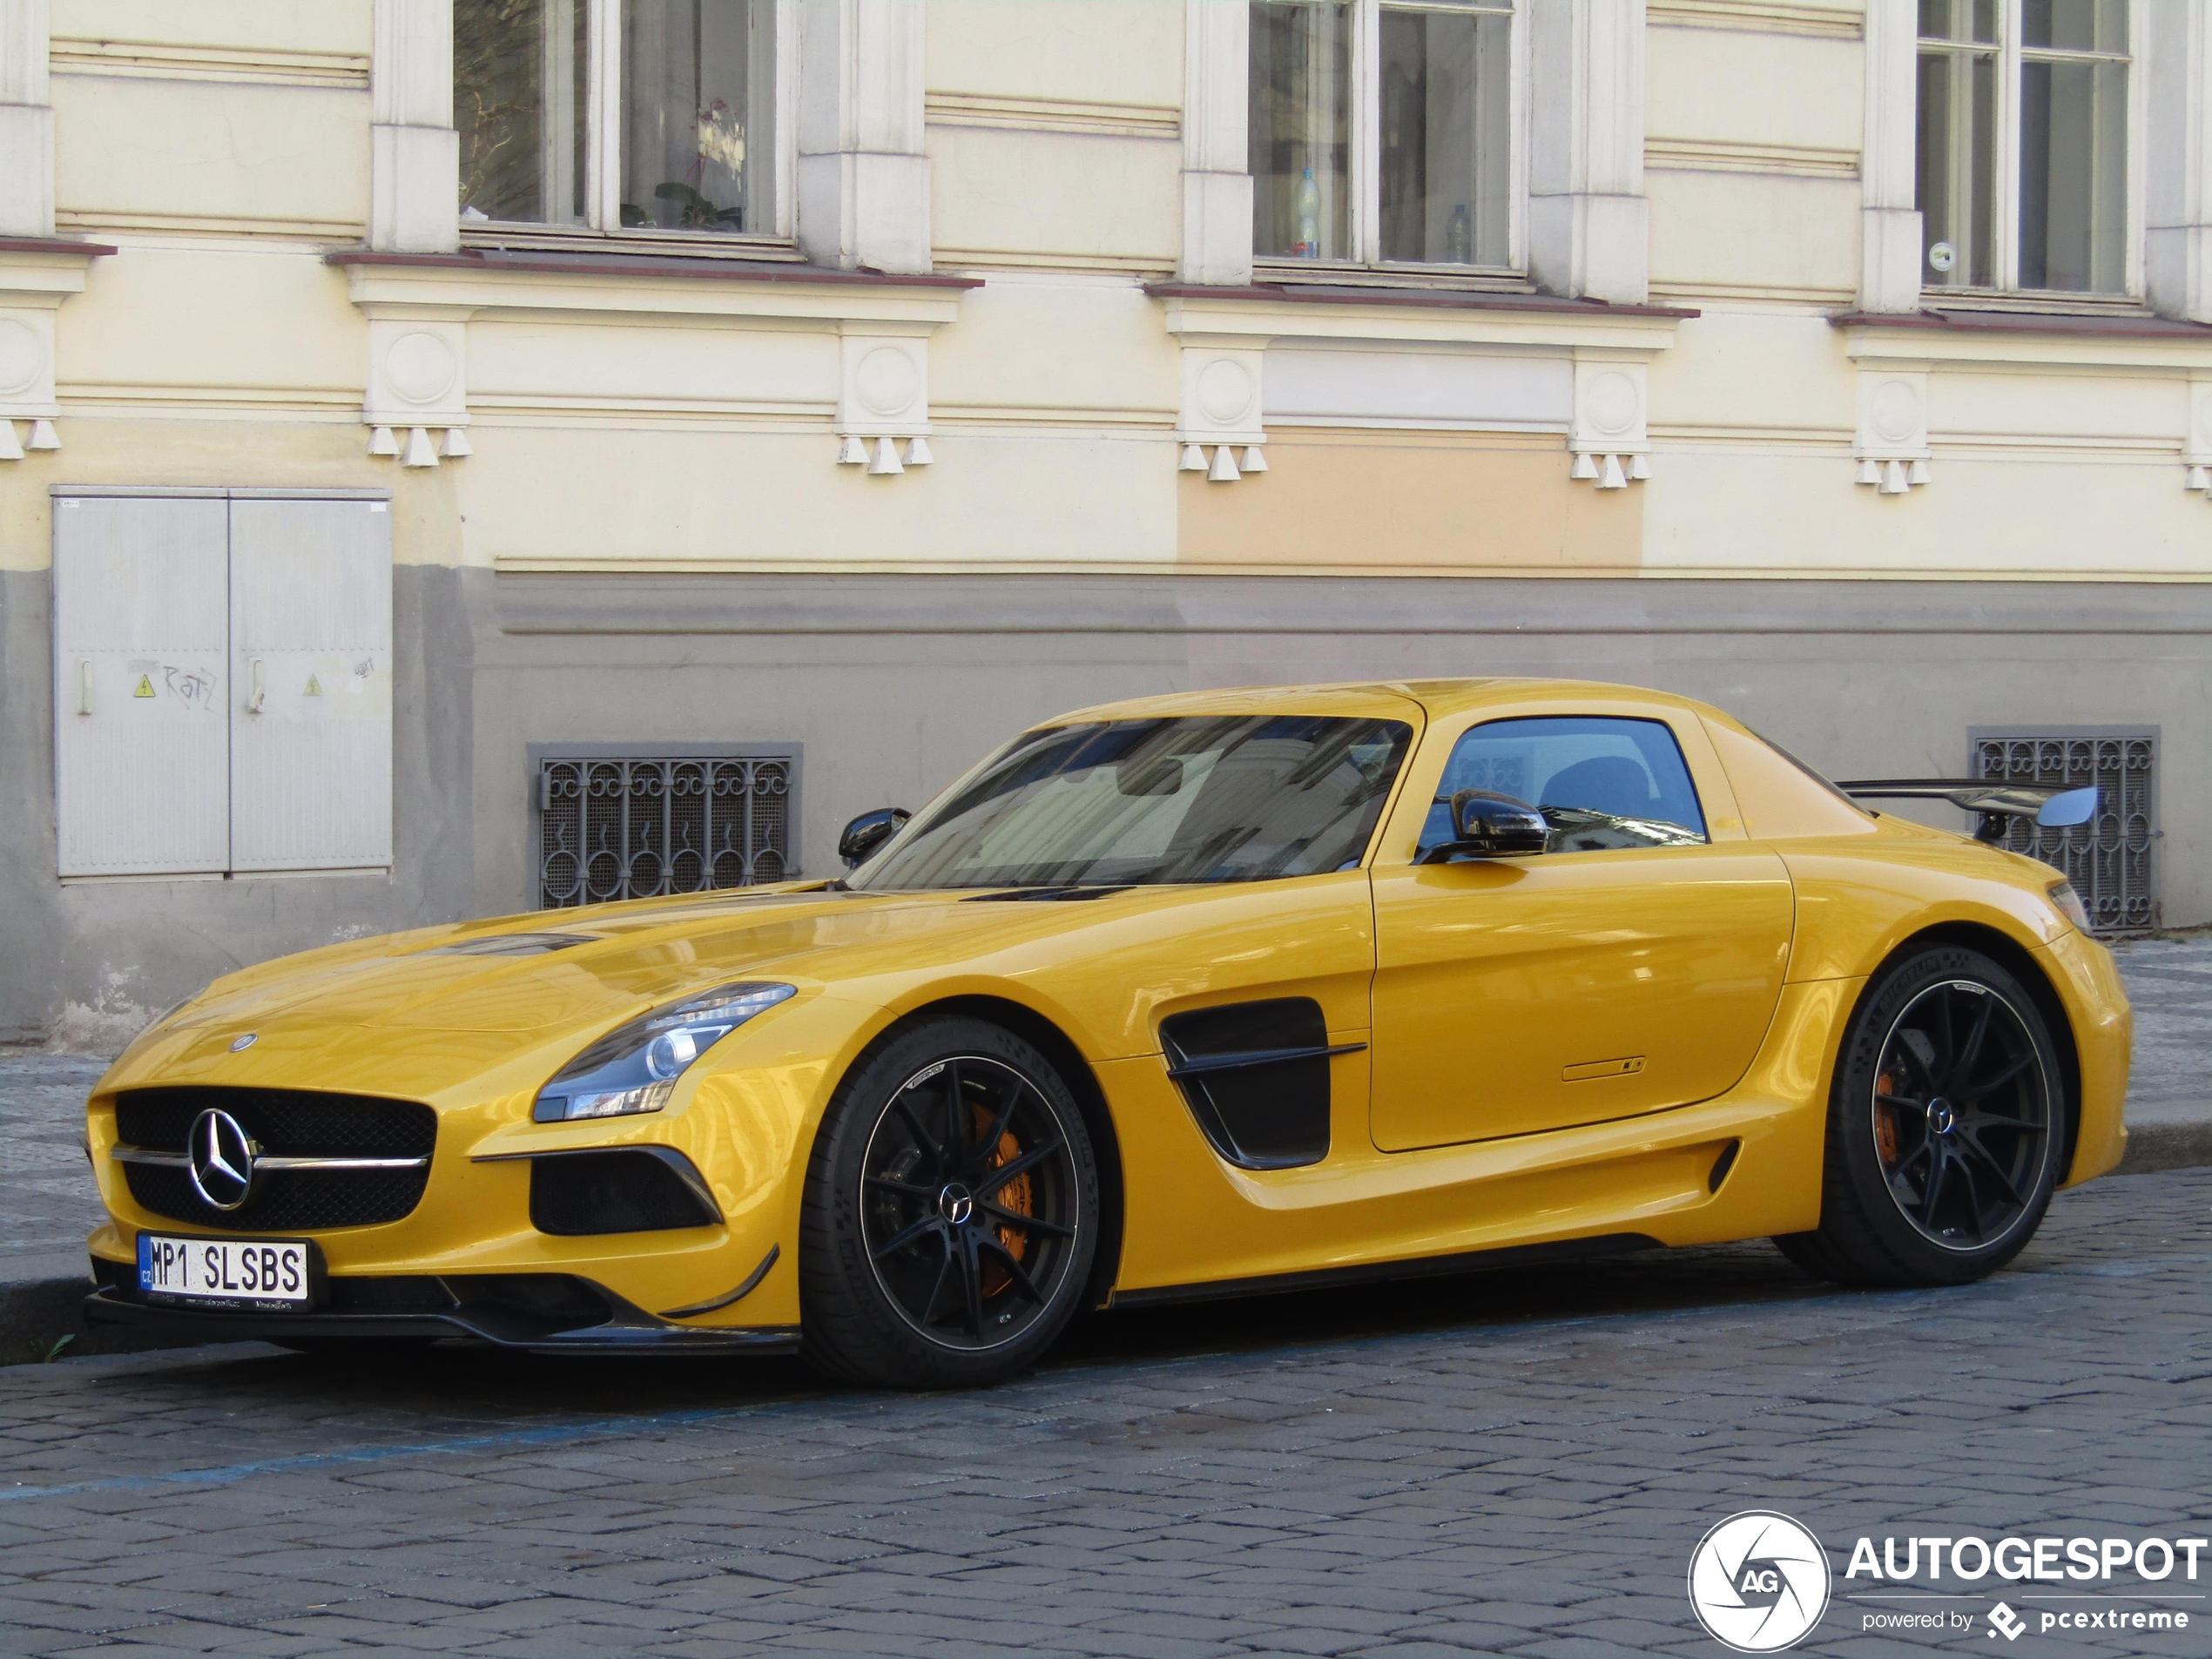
pixel 1300 129
pixel 1603 784
pixel 2076 25
pixel 518 70
pixel 695 114
pixel 2074 176
pixel 1957 167
pixel 1444 124
pixel 1965 20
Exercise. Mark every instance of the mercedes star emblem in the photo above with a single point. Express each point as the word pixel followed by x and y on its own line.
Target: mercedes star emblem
pixel 222 1160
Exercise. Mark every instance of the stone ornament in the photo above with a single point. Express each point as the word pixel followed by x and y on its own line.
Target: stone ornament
pixel 1607 434
pixel 1892 447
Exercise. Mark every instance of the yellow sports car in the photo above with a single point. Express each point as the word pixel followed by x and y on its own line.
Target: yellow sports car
pixel 1191 996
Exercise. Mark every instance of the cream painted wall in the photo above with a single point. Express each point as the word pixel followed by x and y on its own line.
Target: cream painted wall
pixel 253 26
pixel 1054 199
pixel 1095 51
pixel 135 152
pixel 223 148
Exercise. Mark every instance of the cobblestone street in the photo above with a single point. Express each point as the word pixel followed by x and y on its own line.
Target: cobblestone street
pixel 1502 1464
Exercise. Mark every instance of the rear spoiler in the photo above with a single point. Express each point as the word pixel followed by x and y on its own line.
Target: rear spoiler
pixel 2051 806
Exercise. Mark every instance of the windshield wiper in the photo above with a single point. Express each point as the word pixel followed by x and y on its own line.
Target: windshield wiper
pixel 1055 894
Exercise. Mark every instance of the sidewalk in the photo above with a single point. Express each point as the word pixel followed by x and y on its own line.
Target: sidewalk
pixel 47 1204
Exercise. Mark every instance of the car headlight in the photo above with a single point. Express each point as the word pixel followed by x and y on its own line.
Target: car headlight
pixel 2070 905
pixel 635 1068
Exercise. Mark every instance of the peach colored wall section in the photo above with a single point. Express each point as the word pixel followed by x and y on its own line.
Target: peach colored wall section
pixel 1409 502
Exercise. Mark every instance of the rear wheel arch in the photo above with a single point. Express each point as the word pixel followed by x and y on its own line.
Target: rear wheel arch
pixel 1067 1060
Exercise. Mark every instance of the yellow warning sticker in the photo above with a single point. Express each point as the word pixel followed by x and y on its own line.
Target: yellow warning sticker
pixel 146 687
pixel 314 686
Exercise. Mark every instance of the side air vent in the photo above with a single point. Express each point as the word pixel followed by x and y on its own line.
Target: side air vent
pixel 1256 1077
pixel 633 1190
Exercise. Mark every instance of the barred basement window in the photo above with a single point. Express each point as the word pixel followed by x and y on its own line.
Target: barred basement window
pixel 619 823
pixel 2108 859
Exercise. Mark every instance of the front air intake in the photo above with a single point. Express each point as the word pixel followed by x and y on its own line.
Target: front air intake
pixel 632 1190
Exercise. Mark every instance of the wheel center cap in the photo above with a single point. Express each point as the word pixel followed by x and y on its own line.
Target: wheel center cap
pixel 1941 1118
pixel 955 1203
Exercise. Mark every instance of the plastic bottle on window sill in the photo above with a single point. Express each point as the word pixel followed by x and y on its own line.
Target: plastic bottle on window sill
pixel 1308 245
pixel 1459 238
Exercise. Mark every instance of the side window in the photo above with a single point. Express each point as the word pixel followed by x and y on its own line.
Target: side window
pixel 1603 784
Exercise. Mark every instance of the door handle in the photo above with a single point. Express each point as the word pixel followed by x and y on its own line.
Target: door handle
pixel 84 688
pixel 260 690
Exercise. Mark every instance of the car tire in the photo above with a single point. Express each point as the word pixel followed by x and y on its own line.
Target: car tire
pixel 1947 1122
pixel 951 1213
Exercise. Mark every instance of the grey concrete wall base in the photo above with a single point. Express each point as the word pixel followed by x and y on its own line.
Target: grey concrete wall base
pixel 2167 1146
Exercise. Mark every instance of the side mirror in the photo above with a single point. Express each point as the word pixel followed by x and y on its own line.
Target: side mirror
pixel 868 831
pixel 1489 825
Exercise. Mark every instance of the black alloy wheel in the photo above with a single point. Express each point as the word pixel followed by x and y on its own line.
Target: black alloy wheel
pixel 1946 1124
pixel 951 1211
pixel 1962 1114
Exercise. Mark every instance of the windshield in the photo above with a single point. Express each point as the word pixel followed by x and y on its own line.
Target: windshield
pixel 1121 803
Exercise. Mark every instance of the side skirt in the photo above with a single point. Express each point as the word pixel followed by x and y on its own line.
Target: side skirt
pixel 1469 1261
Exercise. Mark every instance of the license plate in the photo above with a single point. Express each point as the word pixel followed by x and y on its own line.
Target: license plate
pixel 265 1275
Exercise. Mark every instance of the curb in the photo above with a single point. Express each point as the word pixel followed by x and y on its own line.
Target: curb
pixel 35 1313
pixel 2166 1146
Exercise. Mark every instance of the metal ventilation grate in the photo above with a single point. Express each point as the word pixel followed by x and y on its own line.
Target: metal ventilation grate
pixel 2109 859
pixel 639 825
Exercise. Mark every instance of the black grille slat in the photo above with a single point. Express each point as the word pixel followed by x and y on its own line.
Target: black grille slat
pixel 287 1122
pixel 286 1200
pixel 294 1122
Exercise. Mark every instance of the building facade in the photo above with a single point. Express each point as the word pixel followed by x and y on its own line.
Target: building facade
pixel 463 454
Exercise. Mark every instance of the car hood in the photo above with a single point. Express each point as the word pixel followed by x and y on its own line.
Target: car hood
pixel 484 991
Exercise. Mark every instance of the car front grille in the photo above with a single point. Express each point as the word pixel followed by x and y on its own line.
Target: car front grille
pixel 291 1123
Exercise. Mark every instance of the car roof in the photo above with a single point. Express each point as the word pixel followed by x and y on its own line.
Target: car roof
pixel 1436 698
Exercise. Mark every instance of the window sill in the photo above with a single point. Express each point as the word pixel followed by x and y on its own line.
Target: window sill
pixel 498 236
pixel 1442 277
pixel 1491 300
pixel 501 262
pixel 66 245
pixel 1969 319
pixel 1964 337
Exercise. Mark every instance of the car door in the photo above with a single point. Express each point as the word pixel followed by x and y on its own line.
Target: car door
pixel 1633 966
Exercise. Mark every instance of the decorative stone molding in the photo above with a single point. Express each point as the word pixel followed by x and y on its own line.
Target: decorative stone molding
pixel 2196 450
pixel 36 274
pixel 415 154
pixel 1217 180
pixel 863 175
pixel 1892 447
pixel 1221 408
pixel 1895 355
pixel 419 307
pixel 418 383
pixel 882 397
pixel 2177 264
pixel 1589 221
pixel 26 121
pixel 1225 333
pixel 1890 224
pixel 1607 436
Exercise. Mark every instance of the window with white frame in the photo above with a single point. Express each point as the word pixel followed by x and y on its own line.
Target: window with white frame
pixel 618 116
pixel 2026 109
pixel 1386 133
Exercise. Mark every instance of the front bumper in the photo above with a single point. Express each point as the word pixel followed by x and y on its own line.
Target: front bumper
pixel 538 1313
